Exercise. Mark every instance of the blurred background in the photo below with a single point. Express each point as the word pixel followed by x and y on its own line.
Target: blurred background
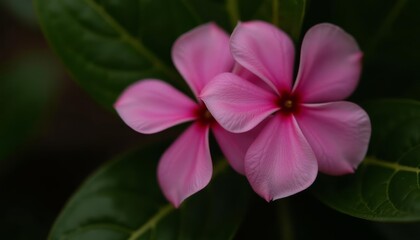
pixel 52 135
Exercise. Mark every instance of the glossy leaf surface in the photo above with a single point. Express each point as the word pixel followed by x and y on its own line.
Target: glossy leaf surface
pixel 386 185
pixel 109 44
pixel 123 201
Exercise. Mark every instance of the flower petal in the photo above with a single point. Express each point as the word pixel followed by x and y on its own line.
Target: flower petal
pixel 330 64
pixel 266 51
pixel 250 77
pixel 339 134
pixel 186 168
pixel 150 106
pixel 237 104
pixel 201 54
pixel 235 145
pixel 280 162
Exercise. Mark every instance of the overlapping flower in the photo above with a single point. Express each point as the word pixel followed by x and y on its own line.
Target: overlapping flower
pixel 307 125
pixel 151 105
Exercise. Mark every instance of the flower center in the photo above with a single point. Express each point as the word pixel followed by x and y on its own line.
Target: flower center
pixel 288 103
pixel 203 115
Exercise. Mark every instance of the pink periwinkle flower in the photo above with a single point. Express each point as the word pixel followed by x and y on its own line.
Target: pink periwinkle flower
pixel 309 126
pixel 151 105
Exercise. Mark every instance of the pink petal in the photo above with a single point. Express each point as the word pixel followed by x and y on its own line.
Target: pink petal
pixel 150 106
pixel 201 54
pixel 330 64
pixel 280 162
pixel 237 104
pixel 250 77
pixel 235 145
pixel 338 132
pixel 186 168
pixel 266 51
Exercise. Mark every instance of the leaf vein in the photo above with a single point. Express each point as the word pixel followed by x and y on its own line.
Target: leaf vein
pixel 131 40
pixel 388 196
pixel 392 165
pixel 360 193
pixel 152 222
pixel 167 209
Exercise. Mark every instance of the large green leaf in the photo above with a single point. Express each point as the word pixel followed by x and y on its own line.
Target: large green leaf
pixel 123 201
pixel 109 44
pixel 26 90
pixel 386 185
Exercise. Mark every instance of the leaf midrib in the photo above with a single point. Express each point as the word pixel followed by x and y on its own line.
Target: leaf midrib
pixel 391 165
pixel 167 209
pixel 131 40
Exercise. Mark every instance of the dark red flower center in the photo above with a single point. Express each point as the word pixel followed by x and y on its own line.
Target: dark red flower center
pixel 288 103
pixel 203 115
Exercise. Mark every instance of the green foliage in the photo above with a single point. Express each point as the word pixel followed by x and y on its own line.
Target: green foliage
pixel 108 44
pixel 123 201
pixel 386 185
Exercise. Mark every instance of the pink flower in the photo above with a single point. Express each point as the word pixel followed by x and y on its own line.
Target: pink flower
pixel 309 127
pixel 151 105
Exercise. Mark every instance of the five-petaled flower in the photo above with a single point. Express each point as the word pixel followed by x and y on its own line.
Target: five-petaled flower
pixel 151 105
pixel 309 126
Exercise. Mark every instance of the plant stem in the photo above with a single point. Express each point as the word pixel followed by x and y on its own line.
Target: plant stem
pixel 285 219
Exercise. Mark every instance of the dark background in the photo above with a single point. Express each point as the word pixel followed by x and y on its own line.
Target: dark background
pixel 67 140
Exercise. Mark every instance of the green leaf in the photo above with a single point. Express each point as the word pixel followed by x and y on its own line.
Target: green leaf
pixel 386 185
pixel 286 14
pixel 123 201
pixel 26 90
pixel 107 44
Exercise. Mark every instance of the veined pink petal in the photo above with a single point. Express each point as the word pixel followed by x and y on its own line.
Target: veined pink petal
pixel 266 51
pixel 249 76
pixel 186 168
pixel 237 104
pixel 280 162
pixel 235 145
pixel 330 64
pixel 201 54
pixel 339 134
pixel 151 105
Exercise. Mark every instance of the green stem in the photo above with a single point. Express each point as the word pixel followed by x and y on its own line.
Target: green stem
pixel 232 8
pixel 285 219
pixel 275 19
pixel 220 167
